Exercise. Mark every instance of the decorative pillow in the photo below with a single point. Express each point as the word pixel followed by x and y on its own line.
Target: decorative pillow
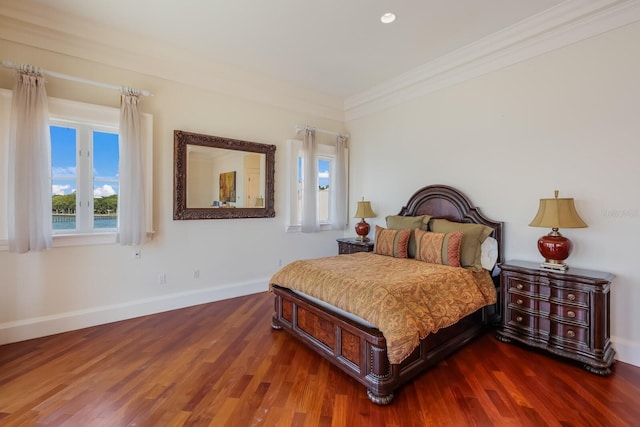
pixel 474 235
pixel 489 253
pixel 438 248
pixel 399 222
pixel 391 242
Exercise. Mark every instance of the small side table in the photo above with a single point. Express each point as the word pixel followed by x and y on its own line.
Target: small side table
pixel 351 245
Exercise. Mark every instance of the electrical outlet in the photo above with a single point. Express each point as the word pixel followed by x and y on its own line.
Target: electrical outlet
pixel 196 274
pixel 278 262
pixel 137 253
pixel 162 279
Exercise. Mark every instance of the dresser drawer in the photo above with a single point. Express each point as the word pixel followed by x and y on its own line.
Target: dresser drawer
pixel 519 302
pixel 521 285
pixel 569 335
pixel 520 319
pixel 534 325
pixel 570 314
pixel 571 296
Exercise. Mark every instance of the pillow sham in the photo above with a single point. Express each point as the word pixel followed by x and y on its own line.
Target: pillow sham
pixel 489 253
pixel 474 235
pixel 399 222
pixel 391 242
pixel 438 248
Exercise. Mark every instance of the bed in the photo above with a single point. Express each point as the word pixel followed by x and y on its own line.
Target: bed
pixel 353 344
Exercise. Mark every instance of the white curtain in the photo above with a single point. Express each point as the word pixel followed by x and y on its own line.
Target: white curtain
pixel 29 180
pixel 339 193
pixel 310 182
pixel 132 229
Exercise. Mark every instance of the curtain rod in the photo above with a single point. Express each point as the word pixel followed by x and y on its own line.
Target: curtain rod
pixel 300 128
pixel 9 64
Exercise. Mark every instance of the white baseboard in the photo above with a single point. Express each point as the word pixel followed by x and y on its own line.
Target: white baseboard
pixel 63 322
pixel 626 351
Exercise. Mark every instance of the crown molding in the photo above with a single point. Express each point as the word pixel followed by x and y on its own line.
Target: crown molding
pixel 52 31
pixel 567 23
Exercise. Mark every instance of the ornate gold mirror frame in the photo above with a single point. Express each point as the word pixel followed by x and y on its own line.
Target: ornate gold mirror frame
pixel 215 162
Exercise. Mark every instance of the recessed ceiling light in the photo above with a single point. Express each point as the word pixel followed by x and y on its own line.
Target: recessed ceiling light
pixel 388 18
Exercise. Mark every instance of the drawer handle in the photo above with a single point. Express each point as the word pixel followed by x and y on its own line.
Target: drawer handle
pixel 571 297
pixel 519 319
pixel 571 334
pixel 519 301
pixel 571 314
pixel 519 286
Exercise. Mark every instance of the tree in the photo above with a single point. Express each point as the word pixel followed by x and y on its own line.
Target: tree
pixel 105 205
pixel 64 203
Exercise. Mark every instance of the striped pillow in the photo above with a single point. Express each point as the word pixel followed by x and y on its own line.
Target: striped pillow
pixel 474 235
pixel 438 248
pixel 391 242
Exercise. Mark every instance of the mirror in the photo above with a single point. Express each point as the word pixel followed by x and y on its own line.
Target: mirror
pixel 222 178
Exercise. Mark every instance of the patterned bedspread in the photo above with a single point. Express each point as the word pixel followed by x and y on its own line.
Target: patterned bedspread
pixel 404 298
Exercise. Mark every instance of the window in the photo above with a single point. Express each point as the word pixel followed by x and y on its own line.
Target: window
pixel 84 165
pixel 84 177
pixel 324 186
pixel 325 165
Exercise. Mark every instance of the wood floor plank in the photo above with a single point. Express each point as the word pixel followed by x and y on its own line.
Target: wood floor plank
pixel 221 364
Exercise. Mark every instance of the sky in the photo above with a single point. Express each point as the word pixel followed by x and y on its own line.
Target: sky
pixel 323 171
pixel 64 164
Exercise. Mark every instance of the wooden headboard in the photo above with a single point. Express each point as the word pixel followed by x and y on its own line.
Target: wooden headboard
pixel 441 201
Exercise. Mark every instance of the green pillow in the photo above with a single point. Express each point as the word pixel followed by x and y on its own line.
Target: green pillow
pixel 399 222
pixel 472 238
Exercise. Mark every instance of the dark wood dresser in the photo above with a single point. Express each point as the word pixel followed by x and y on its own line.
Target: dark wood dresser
pixel 351 245
pixel 564 313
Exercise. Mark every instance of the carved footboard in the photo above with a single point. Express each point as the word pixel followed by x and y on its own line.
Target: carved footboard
pixel 360 351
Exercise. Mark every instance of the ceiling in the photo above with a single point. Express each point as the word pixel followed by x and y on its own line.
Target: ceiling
pixel 336 47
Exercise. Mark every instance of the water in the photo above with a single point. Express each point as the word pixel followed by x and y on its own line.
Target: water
pixel 68 222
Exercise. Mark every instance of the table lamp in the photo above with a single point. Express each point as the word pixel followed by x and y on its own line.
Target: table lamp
pixel 363 211
pixel 554 247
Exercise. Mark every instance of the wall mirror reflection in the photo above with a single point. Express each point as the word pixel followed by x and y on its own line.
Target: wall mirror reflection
pixel 218 177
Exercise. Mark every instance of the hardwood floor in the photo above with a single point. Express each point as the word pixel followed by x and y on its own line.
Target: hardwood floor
pixel 221 364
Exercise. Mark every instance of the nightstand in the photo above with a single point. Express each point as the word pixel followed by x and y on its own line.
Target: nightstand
pixel 351 245
pixel 564 313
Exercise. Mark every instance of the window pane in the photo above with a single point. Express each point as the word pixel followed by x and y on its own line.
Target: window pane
pixel 300 188
pixel 105 180
pixel 64 208
pixel 63 177
pixel 324 177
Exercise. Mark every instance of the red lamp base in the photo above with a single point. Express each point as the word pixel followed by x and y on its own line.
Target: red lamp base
pixel 362 229
pixel 555 248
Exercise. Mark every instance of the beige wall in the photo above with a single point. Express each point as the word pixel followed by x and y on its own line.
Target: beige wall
pixel 65 288
pixel 567 120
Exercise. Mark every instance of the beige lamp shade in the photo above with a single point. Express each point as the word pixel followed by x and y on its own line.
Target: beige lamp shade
pixel 364 210
pixel 554 247
pixel 557 213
